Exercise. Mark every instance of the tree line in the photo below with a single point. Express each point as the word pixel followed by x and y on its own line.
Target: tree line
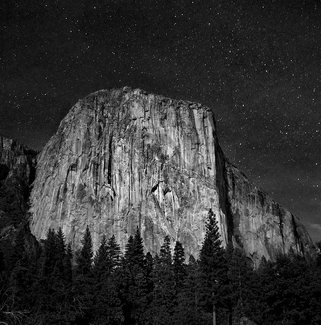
pixel 51 284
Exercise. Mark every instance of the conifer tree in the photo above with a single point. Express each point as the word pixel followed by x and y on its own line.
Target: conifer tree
pixel 84 289
pixel 107 307
pixel 54 295
pixel 49 254
pixel 45 280
pixel 60 253
pixel 17 288
pixel 237 293
pixel 212 267
pixel 149 265
pixel 179 267
pixel 165 255
pixel 68 264
pixel 287 292
pixel 164 286
pixel 135 281
pixel 149 262
pixel 138 250
pixel 100 265
pixel 129 250
pixel 85 256
pixel 114 253
pixel 187 311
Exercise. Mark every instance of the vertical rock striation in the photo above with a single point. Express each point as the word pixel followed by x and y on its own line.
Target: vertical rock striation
pixel 123 159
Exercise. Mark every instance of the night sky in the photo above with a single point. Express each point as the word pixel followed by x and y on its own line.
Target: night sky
pixel 256 63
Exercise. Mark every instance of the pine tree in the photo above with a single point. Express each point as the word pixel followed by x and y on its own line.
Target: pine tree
pixel 291 297
pixel 135 289
pixel 54 299
pixel 165 255
pixel 84 289
pixel 138 250
pixel 85 256
pixel 17 292
pixel 237 293
pixel 101 262
pixel 212 266
pixel 114 253
pixel 149 262
pixel 107 307
pixel 187 311
pixel 179 267
pixel 60 253
pixel 68 264
pixel 129 249
pixel 164 286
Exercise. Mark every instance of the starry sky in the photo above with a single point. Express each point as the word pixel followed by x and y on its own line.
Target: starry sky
pixel 256 63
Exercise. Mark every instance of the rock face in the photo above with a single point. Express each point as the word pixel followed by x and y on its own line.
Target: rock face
pixel 123 159
pixel 260 225
pixel 16 161
pixel 17 171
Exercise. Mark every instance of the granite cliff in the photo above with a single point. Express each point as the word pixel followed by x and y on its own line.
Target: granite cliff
pixel 17 171
pixel 16 161
pixel 123 159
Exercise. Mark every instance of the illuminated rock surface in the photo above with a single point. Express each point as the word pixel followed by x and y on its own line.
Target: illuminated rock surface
pixel 124 158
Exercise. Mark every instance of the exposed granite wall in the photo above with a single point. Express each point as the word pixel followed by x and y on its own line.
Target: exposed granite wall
pixel 17 171
pixel 124 158
pixel 16 160
pixel 261 226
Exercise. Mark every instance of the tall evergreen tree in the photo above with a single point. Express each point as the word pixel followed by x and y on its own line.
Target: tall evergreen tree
pixel 187 310
pixel 85 256
pixel 84 289
pixel 54 299
pixel 138 250
pixel 107 307
pixel 165 254
pixel 164 286
pixel 100 265
pixel 179 267
pixel 60 253
pixel 49 257
pixel 135 289
pixel 212 267
pixel 238 292
pixel 114 253
pixel 149 260
pixel 68 264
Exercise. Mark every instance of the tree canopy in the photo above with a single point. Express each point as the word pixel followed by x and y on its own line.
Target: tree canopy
pixel 49 284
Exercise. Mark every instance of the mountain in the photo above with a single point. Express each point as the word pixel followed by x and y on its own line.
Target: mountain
pixel 17 172
pixel 123 159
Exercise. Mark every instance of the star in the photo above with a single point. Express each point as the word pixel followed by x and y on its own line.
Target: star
pixel 256 64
